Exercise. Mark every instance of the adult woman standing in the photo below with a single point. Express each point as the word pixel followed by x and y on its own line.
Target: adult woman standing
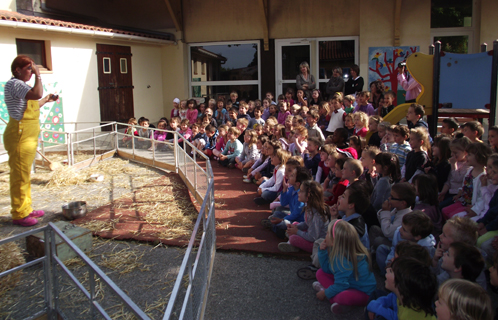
pixel 336 83
pixel 355 82
pixel 21 136
pixel 304 80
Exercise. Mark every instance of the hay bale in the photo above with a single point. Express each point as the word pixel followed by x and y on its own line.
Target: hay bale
pixel 10 257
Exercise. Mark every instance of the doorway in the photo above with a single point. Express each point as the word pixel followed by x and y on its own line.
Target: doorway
pixel 115 83
pixel 288 56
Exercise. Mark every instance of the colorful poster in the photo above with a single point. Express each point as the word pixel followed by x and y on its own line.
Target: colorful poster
pixel 51 114
pixel 383 64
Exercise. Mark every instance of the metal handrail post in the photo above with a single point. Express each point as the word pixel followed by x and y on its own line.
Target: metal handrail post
pixel 94 145
pixel 195 171
pixel 133 141
pixel 47 279
pixel 116 141
pixel 175 151
pixel 91 277
pixel 55 283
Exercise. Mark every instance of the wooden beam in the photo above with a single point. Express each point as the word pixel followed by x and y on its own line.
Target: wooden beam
pixel 176 16
pixel 397 22
pixel 263 5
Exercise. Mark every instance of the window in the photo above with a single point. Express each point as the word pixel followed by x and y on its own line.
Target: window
pixel 38 50
pixel 452 23
pixel 225 67
pixel 123 63
pixel 107 65
pixel 331 54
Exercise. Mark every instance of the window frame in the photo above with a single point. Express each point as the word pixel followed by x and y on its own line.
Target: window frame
pixel 225 82
pixel 470 32
pixel 46 66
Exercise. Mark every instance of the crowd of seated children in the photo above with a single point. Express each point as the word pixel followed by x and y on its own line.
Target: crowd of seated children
pixel 411 202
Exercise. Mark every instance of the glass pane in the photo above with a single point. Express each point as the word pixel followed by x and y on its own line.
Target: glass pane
pixel 454 44
pixel 451 14
pixel 333 54
pixel 292 56
pixel 107 65
pixel 31 48
pixel 123 65
pixel 225 62
pixel 246 92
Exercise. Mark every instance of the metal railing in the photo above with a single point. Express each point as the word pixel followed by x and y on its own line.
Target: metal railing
pixel 196 268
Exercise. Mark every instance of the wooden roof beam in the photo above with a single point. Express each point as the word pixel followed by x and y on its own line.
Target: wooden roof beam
pixel 176 15
pixel 397 22
pixel 263 5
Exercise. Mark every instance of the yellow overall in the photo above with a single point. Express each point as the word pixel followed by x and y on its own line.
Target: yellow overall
pixel 21 141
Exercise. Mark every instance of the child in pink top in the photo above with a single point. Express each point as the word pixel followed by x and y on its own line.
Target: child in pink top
pixel 360 124
pixel 283 112
pixel 221 142
pixel 185 131
pixel 192 111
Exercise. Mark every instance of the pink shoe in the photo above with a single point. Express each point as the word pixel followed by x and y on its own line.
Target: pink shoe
pixel 37 214
pixel 26 222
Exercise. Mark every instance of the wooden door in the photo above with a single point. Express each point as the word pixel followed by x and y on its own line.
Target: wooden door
pixel 115 83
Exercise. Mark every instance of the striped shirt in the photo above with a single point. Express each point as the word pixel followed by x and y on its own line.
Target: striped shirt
pixel 401 150
pixel 15 93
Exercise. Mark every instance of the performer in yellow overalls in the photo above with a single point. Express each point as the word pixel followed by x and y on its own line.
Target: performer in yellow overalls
pixel 21 136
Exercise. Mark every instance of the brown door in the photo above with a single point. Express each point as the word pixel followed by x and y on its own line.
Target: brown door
pixel 115 83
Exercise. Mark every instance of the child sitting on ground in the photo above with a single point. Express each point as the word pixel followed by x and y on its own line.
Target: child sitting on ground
pixel 269 189
pixel 363 104
pixel 387 139
pixel 283 112
pixel 414 117
pixel 160 136
pixel 339 187
pixel 313 130
pixel 387 168
pixel 401 147
pixel 369 174
pixel 303 235
pixel 456 229
pixel 426 191
pixel 349 124
pixel 260 162
pixel 336 115
pixel 257 118
pixel 459 167
pixel 470 191
pixel 416 226
pixel 473 130
pixel 449 126
pixel 300 144
pixel 352 170
pixel 324 112
pixel 232 149
pixel 280 218
pixel 413 288
pixel 243 111
pixel 353 203
pixel 387 106
pixel 250 152
pixel 462 261
pixel 221 141
pixel 360 124
pixel 311 155
pixel 129 133
pixel 200 139
pixel 349 102
pixel 373 124
pixel 418 157
pixel 212 136
pixel 345 277
pixel 400 203
pixel 462 299
pixel 144 134
pixel 323 171
pixel 242 126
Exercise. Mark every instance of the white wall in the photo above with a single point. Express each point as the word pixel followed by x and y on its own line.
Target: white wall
pixel 9 5
pixel 75 68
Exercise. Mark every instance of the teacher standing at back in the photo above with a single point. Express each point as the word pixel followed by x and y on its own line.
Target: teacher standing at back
pixel 305 80
pixel 21 136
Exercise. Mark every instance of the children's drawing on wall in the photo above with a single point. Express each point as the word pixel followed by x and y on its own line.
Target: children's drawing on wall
pixel 51 114
pixel 383 64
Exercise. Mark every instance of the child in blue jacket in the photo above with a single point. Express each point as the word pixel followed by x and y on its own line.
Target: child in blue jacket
pixel 345 277
pixel 279 220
